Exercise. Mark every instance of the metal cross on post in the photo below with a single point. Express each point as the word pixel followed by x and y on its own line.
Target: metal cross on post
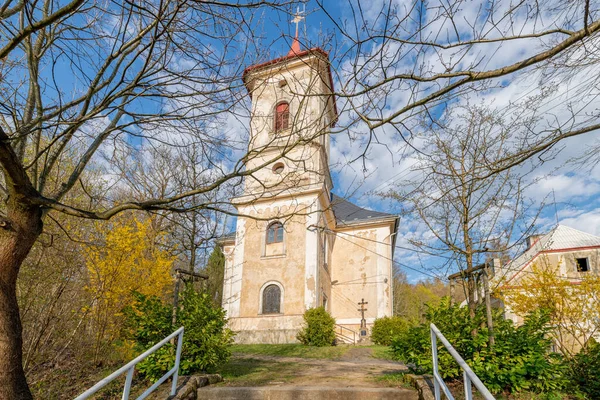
pixel 298 17
pixel 363 321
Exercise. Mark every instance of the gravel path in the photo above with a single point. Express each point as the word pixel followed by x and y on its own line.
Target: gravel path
pixel 356 368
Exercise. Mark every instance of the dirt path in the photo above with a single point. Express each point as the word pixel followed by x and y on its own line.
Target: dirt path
pixel 356 368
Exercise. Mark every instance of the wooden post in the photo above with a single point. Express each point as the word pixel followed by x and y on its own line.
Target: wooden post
pixel 488 306
pixel 452 288
pixel 176 297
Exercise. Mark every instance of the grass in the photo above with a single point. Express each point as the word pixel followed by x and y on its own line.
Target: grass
pixel 253 372
pixel 382 352
pixel 292 350
pixel 394 379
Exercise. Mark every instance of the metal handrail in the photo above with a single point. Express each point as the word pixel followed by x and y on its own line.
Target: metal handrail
pixel 343 335
pixel 468 374
pixel 130 367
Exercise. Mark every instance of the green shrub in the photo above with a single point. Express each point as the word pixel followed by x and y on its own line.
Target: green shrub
pixel 206 341
pixel 584 370
pixel 319 329
pixel 386 328
pixel 519 360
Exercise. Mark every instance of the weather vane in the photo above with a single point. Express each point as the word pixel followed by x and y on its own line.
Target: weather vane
pixel 299 16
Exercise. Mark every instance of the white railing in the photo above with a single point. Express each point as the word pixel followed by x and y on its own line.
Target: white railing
pixel 130 367
pixel 468 374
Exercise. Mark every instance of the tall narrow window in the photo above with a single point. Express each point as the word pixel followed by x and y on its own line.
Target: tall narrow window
pixel 275 233
pixel 282 116
pixel 271 301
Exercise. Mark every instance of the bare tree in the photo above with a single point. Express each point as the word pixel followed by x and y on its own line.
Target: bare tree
pixel 157 172
pixel 80 78
pixel 466 212
pixel 399 60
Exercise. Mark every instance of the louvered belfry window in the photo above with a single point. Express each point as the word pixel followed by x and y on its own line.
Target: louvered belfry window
pixel 271 300
pixel 282 116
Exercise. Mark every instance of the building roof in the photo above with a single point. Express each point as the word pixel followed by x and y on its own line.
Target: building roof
pixel 348 213
pixel 345 213
pixel 290 55
pixel 561 238
pixel 229 237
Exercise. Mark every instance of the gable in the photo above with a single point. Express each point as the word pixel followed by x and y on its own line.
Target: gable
pixel 560 239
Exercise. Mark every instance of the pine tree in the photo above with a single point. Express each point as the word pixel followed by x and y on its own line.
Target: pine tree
pixel 215 268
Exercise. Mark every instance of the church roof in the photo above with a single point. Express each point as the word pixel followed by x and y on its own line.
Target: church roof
pixel 290 55
pixel 348 213
pixel 229 237
pixel 561 238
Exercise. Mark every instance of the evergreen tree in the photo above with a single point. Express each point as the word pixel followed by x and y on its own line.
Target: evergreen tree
pixel 215 268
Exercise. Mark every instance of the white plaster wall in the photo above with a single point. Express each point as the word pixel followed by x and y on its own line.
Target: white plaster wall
pixel 311 264
pixel 234 278
pixel 228 251
pixel 362 267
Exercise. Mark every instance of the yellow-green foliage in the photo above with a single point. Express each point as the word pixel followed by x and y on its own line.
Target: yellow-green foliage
pixel 573 305
pixel 411 300
pixel 127 260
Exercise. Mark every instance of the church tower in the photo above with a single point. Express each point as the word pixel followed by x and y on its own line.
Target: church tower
pixel 279 260
pixel 274 273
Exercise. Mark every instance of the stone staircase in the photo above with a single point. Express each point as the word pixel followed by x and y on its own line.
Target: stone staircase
pixel 305 393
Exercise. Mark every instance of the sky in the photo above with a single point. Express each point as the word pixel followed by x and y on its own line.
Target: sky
pixel 567 190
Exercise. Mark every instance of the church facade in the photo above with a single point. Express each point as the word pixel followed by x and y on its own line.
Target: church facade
pixel 296 245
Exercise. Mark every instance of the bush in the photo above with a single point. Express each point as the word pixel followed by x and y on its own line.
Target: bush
pixel 519 360
pixel 319 330
pixel 206 341
pixel 584 370
pixel 386 328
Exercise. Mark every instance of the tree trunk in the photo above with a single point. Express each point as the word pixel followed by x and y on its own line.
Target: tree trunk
pixel 18 233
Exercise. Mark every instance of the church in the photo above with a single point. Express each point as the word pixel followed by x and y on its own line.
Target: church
pixel 297 245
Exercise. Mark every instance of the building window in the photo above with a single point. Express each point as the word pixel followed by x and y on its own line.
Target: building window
pixel 582 264
pixel 275 233
pixel 271 300
pixel 282 116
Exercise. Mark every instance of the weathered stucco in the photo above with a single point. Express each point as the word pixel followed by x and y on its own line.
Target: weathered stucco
pixel 361 269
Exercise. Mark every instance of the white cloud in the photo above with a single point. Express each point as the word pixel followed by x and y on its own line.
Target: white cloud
pixel 588 222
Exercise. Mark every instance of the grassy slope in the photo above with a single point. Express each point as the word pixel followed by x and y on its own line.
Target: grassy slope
pixel 291 350
pixel 382 352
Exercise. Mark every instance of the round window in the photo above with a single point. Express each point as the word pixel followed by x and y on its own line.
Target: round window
pixel 278 168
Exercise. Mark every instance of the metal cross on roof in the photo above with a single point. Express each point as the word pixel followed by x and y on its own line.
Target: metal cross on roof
pixel 298 17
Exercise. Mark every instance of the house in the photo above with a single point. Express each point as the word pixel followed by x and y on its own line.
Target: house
pixel 296 245
pixel 567 254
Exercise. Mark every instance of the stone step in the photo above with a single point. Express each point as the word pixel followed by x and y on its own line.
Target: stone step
pixel 305 393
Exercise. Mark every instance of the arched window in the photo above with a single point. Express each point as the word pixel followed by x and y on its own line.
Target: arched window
pixel 271 300
pixel 282 116
pixel 275 233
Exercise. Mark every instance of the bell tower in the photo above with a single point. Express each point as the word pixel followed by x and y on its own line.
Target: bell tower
pixel 276 265
pixel 293 109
